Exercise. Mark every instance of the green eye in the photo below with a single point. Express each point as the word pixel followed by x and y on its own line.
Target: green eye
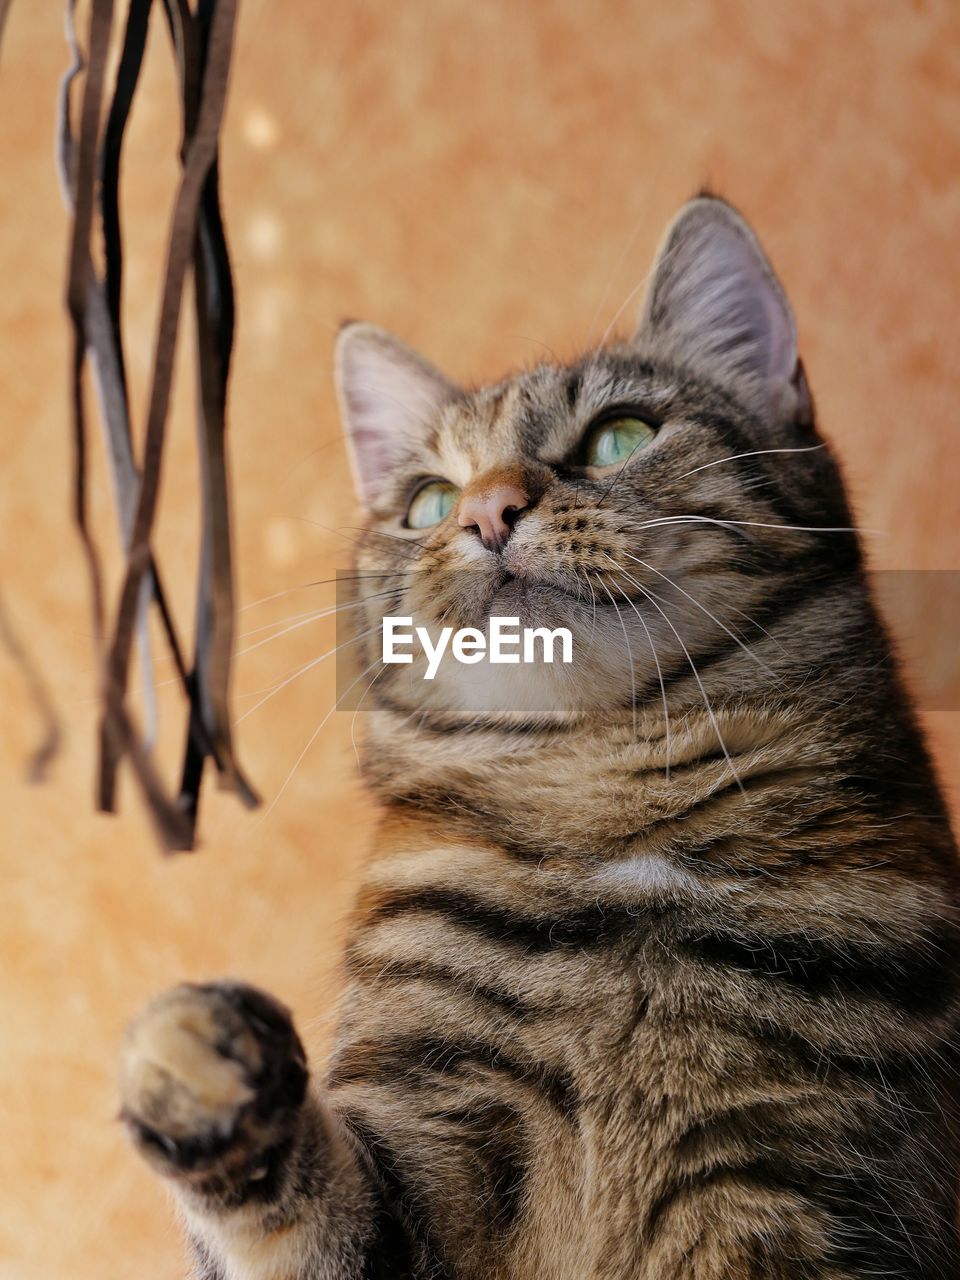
pixel 616 439
pixel 431 503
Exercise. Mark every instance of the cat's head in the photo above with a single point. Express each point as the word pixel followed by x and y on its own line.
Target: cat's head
pixel 650 497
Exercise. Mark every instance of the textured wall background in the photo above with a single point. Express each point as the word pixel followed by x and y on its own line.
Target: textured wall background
pixel 490 181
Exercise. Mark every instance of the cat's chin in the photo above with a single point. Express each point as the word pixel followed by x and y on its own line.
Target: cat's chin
pixel 510 597
pixel 595 683
pixel 505 694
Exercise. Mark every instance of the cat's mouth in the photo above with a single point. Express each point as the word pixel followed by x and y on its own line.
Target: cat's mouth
pixel 526 597
pixel 472 599
pixel 507 591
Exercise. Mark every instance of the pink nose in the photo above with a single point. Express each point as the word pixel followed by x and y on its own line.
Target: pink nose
pixel 490 511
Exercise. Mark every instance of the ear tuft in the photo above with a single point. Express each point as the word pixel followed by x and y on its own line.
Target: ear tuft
pixel 715 298
pixel 389 398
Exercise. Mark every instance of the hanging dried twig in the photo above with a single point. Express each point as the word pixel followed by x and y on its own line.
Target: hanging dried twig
pixel 40 695
pixel 4 12
pixel 202 43
pixel 213 286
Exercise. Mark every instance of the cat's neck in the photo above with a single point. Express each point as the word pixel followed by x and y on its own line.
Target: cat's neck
pixel 589 785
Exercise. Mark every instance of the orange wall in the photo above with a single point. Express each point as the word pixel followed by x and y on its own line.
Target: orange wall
pixel 490 180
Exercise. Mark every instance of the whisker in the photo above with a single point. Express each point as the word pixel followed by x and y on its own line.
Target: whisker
pixel 615 271
pixel 626 640
pixel 752 453
pixel 413 545
pixel 394 537
pixel 693 668
pixel 733 636
pixel 593 596
pixel 289 591
pixel 278 622
pixel 297 621
pixel 536 342
pixel 314 617
pixel 619 312
pixel 308 667
pixel 656 662
pixel 325 582
pixel 623 466
pixel 312 739
pixel 304 621
pixel 246 694
pixel 353 722
pixel 758 524
pixel 733 608
pixel 753 622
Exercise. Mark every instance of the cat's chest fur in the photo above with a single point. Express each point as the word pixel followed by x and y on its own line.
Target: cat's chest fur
pixel 576 990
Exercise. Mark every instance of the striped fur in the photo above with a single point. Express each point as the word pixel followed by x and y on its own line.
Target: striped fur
pixel 642 982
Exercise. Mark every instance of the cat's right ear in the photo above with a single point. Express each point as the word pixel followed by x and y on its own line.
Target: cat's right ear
pixel 389 398
pixel 715 298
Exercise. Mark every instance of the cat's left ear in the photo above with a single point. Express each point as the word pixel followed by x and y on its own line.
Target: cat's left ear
pixel 389 399
pixel 715 300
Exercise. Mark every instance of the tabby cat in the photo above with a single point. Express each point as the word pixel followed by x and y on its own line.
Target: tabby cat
pixel 654 970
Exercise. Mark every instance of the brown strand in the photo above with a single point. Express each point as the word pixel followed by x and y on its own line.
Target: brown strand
pixel 209 729
pixel 203 46
pixel 4 14
pixel 199 156
pixel 81 180
pixel 39 695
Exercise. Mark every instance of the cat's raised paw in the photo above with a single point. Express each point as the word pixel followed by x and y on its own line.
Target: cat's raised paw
pixel 209 1072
